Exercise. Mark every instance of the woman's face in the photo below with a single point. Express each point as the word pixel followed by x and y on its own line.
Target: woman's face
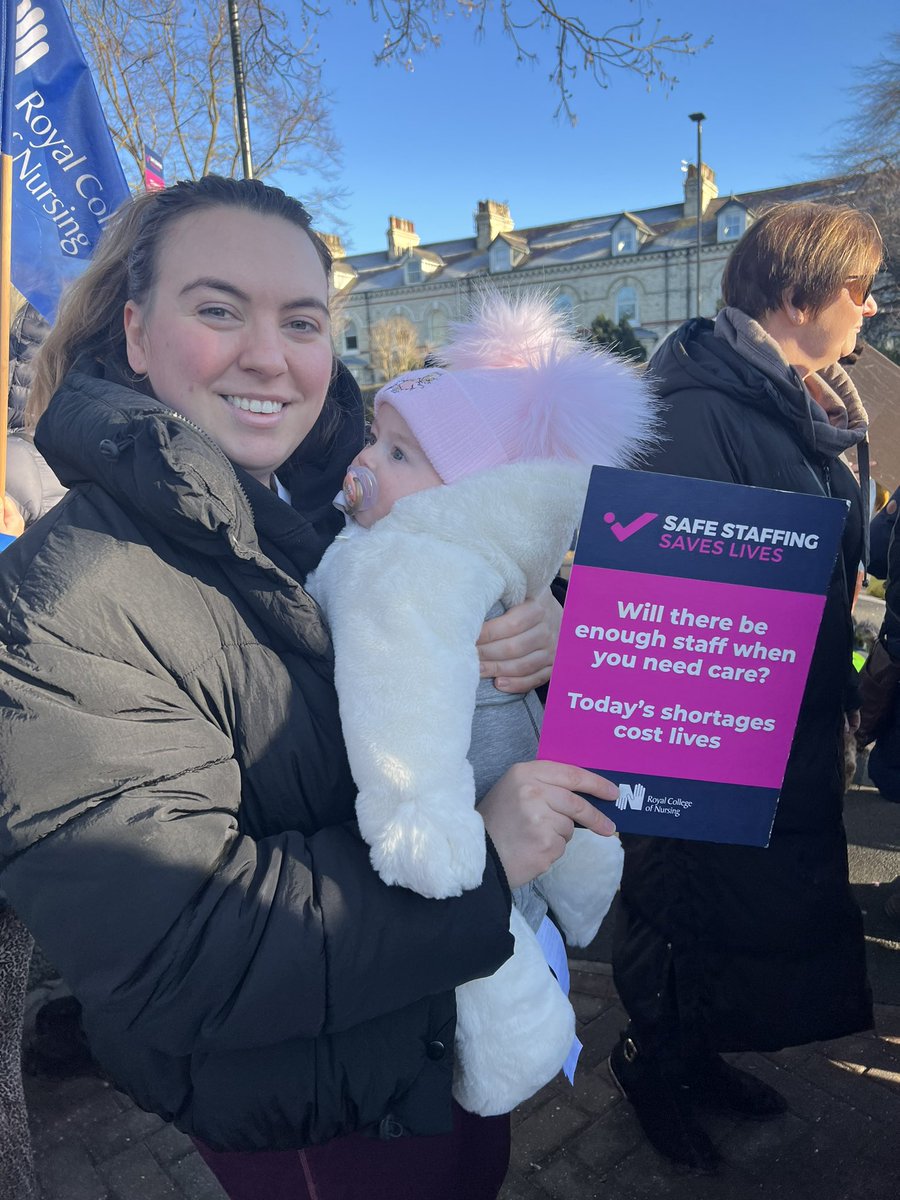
pixel 829 334
pixel 235 335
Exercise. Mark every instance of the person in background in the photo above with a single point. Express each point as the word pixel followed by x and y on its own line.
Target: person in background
pixel 29 489
pixel 16 1164
pixel 177 821
pixel 734 948
pixel 30 482
pixel 880 674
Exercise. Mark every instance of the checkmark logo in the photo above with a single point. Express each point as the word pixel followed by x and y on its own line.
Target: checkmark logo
pixel 621 532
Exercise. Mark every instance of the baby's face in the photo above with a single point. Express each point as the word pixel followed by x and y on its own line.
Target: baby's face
pixel 396 460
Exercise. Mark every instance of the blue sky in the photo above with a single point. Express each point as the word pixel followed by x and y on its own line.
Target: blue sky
pixel 470 124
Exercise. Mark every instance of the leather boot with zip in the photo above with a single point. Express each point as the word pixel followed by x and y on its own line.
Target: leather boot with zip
pixel 663 1105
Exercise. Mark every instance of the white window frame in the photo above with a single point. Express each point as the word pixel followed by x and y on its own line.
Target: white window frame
pixel 433 337
pixel 564 302
pixel 731 216
pixel 627 297
pixel 624 239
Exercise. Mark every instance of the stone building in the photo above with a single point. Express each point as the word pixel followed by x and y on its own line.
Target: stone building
pixel 639 264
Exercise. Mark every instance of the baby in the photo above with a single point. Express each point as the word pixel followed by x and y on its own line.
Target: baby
pixel 463 503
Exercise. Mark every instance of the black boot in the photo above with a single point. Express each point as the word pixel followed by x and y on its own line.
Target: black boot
pixel 663 1107
pixel 716 1084
pixel 59 1048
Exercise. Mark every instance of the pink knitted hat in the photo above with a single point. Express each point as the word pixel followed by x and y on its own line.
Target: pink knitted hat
pixel 519 387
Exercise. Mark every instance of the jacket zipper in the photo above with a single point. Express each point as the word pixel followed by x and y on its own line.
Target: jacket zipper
pixel 218 449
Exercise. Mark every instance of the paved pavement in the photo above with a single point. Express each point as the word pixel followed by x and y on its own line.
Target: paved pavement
pixel 839 1141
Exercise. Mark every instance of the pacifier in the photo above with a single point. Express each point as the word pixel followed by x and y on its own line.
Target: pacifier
pixel 360 491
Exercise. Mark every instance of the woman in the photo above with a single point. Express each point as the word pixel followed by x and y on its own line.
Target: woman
pixel 178 819
pixel 730 948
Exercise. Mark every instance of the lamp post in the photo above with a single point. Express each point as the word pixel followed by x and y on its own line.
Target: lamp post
pixel 240 95
pixel 699 117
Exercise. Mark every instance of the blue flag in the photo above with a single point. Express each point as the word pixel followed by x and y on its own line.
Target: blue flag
pixel 67 178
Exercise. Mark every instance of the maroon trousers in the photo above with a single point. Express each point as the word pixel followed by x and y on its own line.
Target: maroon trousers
pixel 468 1164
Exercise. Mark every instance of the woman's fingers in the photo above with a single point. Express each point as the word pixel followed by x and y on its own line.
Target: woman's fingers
pixel 531 811
pixel 516 649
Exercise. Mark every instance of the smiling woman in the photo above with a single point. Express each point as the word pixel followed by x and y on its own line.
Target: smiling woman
pixel 177 819
pixel 247 355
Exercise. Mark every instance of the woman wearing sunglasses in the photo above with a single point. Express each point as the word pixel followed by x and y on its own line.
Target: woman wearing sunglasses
pixel 736 948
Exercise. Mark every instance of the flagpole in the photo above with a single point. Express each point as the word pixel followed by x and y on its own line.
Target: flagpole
pixel 5 306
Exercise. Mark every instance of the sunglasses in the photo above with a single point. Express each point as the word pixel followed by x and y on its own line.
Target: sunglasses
pixel 859 287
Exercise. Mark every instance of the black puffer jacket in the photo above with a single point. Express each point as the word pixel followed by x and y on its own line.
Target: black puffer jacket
pixel 177 811
pixel 26 336
pixel 736 947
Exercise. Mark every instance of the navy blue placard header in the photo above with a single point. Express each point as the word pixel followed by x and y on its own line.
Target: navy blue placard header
pixel 704 529
pixel 690 809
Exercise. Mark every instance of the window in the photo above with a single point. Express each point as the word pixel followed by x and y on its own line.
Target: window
pixel 565 304
pixel 499 257
pixel 731 224
pixel 627 306
pixel 436 327
pixel 624 239
pixel 413 272
pixel 351 337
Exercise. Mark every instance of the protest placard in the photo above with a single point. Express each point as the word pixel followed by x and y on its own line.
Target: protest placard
pixel 692 613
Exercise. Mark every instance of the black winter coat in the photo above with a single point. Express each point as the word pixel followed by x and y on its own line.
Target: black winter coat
pixel 880 677
pixel 176 810
pixel 735 947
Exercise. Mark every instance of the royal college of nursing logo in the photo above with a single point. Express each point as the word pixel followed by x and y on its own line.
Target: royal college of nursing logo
pixel 631 796
pixel 31 36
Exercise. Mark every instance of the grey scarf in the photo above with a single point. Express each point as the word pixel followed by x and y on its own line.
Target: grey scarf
pixel 839 420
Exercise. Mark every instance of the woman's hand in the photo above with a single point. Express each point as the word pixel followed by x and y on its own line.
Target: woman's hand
pixel 12 522
pixel 516 649
pixel 531 812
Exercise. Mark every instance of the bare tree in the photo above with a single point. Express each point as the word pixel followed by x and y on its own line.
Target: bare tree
pixel 394 347
pixel 870 151
pixel 164 72
pixel 412 26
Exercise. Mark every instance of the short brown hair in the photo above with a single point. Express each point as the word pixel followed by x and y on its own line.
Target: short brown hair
pixel 804 249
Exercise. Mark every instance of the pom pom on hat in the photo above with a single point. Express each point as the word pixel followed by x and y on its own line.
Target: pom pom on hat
pixel 518 386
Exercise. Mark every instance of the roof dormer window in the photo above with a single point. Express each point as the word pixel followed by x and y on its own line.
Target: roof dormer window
pixel 499 257
pixel 412 270
pixel 625 239
pixel 731 223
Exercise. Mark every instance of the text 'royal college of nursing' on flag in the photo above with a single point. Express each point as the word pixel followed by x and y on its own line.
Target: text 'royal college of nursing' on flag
pixel 67 178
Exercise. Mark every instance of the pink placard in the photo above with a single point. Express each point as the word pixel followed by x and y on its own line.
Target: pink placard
pixel 679 677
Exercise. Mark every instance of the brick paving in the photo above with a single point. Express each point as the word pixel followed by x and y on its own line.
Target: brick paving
pixel 838 1142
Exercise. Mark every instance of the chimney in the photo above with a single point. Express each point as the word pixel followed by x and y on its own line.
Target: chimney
pixel 708 189
pixel 401 236
pixel 491 218
pixel 334 244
